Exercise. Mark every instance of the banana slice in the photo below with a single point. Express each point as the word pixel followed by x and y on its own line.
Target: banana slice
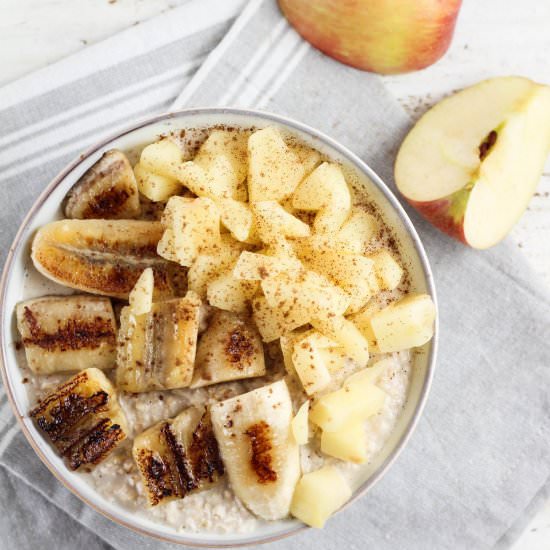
pixel 67 333
pixel 229 349
pixel 100 256
pixel 157 349
pixel 258 449
pixel 107 190
pixel 179 456
pixel 82 418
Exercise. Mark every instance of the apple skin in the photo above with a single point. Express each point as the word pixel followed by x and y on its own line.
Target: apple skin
pixel 381 36
pixel 443 214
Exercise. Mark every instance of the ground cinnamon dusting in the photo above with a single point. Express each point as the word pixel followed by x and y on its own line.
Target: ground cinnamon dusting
pixel 75 334
pixel 107 203
pixel 239 347
pixel 261 459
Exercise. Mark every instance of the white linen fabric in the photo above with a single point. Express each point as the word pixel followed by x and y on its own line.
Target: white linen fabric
pixel 477 465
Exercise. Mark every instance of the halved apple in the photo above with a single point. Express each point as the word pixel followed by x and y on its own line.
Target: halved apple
pixel 471 163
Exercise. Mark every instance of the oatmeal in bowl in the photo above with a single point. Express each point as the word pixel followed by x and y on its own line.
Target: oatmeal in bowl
pixel 225 328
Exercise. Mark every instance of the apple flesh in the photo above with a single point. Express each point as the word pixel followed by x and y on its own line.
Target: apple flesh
pixel 382 36
pixel 471 164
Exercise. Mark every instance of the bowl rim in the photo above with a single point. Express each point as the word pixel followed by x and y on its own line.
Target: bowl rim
pixel 287 122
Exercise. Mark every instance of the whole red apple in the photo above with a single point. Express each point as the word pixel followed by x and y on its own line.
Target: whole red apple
pixel 382 36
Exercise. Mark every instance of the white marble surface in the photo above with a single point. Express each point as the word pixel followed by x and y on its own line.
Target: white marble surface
pixel 494 37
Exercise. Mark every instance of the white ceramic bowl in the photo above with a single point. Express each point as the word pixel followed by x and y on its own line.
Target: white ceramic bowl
pixel 47 208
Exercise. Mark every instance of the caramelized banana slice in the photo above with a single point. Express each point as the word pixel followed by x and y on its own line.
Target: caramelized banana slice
pixel 67 333
pixel 178 456
pixel 258 450
pixel 100 256
pixel 107 190
pixel 157 349
pixel 230 349
pixel 82 418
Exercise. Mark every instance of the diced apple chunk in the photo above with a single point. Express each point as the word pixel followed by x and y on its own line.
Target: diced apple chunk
pixel 231 294
pixel 352 272
pixel 163 157
pixel 194 177
pixel 237 217
pixel 326 191
pixel 369 375
pixel 255 267
pixel 357 232
pixel 316 191
pixel 405 324
pixel 388 271
pixel 193 228
pixel 224 180
pixel 346 334
pixel 155 187
pixel 141 296
pixel 318 495
pixel 280 248
pixel 348 443
pixel 310 365
pixel 306 294
pixel 232 143
pixel 351 403
pixel 273 221
pixel 202 271
pixel 308 157
pixel 209 266
pixel 329 349
pixel 353 238
pixel 320 341
pixel 229 144
pixel 272 322
pixel 274 170
pixel 167 245
pixel 362 321
pixel 335 358
pixel 216 182
pixel 330 219
pixel 299 424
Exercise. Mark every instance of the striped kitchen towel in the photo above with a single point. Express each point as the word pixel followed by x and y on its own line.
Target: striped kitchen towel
pixel 478 460
pixel 51 116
